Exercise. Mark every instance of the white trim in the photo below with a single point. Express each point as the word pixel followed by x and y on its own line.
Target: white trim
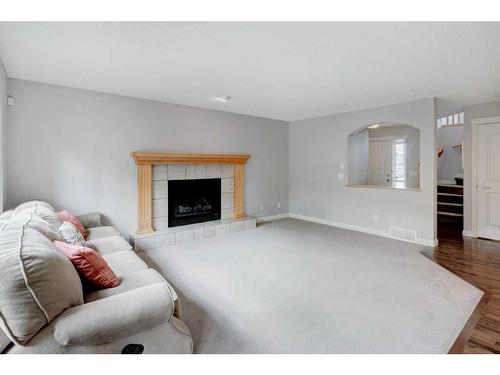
pixel 468 233
pixel 388 138
pixel 446 182
pixel 435 171
pixel 376 232
pixel 475 123
pixel 382 187
pixel 380 139
pixel 272 218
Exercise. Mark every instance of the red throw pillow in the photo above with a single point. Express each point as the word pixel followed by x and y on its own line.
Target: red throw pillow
pixel 90 265
pixel 66 216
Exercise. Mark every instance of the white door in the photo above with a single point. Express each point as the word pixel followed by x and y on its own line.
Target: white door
pixel 488 181
pixel 380 154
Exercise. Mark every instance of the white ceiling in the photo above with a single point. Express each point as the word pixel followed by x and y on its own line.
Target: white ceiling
pixel 284 71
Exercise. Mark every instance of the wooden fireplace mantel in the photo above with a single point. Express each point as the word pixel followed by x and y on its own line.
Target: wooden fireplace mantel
pixel 180 158
pixel 145 162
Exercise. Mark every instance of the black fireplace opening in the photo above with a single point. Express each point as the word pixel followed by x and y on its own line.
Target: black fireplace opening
pixel 193 201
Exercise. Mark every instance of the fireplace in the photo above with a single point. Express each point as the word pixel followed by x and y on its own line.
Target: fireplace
pixel 193 201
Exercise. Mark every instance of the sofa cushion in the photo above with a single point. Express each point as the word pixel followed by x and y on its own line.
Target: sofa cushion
pixel 42 209
pixel 90 220
pixel 101 232
pixel 118 316
pixel 109 245
pixel 33 205
pixel 124 262
pixel 128 282
pixel 31 220
pixel 37 283
pixel 5 216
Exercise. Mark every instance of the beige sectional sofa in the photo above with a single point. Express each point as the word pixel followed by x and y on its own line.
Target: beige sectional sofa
pixel 44 308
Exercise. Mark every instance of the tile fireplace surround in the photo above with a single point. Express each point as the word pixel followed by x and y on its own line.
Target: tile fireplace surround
pixel 154 170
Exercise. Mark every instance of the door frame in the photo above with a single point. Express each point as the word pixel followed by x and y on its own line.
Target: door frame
pixel 475 123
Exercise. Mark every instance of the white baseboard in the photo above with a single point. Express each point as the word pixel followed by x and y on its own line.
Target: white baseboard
pixel 468 233
pixel 272 218
pixel 419 241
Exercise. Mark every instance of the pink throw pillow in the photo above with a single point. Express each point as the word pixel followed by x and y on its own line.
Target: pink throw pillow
pixel 89 264
pixel 66 216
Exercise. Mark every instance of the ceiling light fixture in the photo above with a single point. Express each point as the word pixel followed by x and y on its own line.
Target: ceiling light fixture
pixel 374 126
pixel 222 99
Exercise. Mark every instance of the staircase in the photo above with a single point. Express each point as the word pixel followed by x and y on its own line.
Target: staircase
pixel 450 206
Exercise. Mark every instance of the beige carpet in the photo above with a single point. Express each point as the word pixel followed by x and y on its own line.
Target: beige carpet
pixel 291 286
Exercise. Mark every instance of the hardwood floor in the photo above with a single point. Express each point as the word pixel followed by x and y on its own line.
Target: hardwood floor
pixel 478 262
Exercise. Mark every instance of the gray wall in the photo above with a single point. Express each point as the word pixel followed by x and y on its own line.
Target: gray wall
pixel 71 147
pixel 319 145
pixel 473 111
pixel 3 127
pixel 450 163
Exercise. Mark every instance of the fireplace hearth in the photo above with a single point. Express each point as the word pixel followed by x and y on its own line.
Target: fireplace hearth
pixel 193 201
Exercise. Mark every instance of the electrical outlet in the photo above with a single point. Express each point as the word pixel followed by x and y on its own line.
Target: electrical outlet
pixel 375 217
pixel 340 176
pixel 278 205
pixel 342 165
pixel 262 207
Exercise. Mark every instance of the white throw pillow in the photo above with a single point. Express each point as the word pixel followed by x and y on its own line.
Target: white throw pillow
pixel 71 235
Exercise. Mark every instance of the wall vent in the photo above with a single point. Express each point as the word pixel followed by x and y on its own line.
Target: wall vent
pixel 403 234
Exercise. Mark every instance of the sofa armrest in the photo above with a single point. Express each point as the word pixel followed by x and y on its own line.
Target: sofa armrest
pixel 91 220
pixel 115 317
